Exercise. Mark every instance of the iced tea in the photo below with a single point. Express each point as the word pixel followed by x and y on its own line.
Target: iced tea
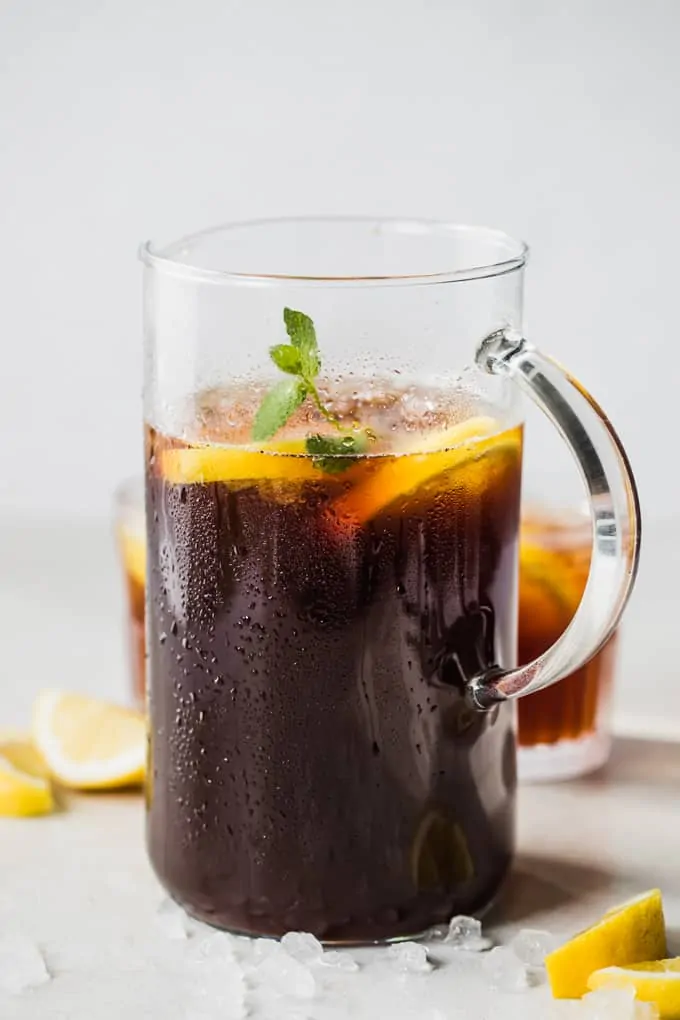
pixel 131 539
pixel 315 764
pixel 554 564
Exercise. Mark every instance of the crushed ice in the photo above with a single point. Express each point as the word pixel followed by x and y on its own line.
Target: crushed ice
pixel 409 958
pixel 531 946
pixel 505 971
pixel 215 979
pixel 280 972
pixel 302 946
pixel 307 949
pixel 615 1004
pixel 22 966
pixel 339 961
pixel 172 921
pixel 466 933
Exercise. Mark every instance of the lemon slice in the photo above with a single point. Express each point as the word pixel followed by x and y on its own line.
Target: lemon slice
pixel 657 982
pixel 134 556
pixel 440 856
pixel 425 458
pixel 24 786
pixel 628 934
pixel 549 591
pixel 89 744
pixel 284 461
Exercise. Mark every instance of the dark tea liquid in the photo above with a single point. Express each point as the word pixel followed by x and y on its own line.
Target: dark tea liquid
pixel 554 566
pixel 314 763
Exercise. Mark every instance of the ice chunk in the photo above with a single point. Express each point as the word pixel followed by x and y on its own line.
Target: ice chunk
pixel 506 972
pixel 217 947
pixel 466 933
pixel 264 947
pixel 280 972
pixel 215 987
pixel 21 965
pixel 616 1004
pixel 302 946
pixel 409 958
pixel 531 946
pixel 172 921
pixel 339 961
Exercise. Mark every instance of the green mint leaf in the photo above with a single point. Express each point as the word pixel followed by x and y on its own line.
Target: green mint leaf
pixel 287 358
pixel 302 333
pixel 334 454
pixel 277 406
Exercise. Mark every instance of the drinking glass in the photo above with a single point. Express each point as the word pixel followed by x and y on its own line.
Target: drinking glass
pixel 333 451
pixel 563 730
pixel 130 533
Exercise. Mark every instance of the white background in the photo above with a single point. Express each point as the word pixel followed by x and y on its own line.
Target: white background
pixel 132 119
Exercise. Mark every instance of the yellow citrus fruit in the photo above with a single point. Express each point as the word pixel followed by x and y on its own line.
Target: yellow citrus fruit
pixel 89 744
pixel 282 461
pixel 657 982
pixel 549 591
pixel 440 856
pixel 24 785
pixel 397 476
pixel 628 934
pixel 134 555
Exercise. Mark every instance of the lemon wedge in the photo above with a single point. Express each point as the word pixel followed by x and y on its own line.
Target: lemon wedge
pixel 657 982
pixel 282 461
pixel 398 476
pixel 628 934
pixel 24 786
pixel 89 744
pixel 134 556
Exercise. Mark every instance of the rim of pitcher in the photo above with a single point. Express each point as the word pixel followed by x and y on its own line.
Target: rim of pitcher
pixel 169 257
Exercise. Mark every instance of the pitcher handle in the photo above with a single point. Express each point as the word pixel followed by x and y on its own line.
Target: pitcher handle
pixel 614 507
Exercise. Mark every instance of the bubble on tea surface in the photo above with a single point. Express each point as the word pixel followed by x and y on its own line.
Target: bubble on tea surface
pixel 22 966
pixel 409 958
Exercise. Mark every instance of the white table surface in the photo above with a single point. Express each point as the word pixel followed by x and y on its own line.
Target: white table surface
pixel 78 882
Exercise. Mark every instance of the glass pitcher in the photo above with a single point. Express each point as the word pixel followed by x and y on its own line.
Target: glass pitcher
pixel 333 451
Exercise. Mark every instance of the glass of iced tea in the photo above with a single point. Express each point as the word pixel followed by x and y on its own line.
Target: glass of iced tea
pixel 563 730
pixel 333 469
pixel 130 533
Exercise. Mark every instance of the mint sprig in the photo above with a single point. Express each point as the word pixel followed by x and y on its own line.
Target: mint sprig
pixel 300 360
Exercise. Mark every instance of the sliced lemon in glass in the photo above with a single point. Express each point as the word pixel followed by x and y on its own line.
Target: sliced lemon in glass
pixel 657 982
pixel 25 788
pixel 134 555
pixel 281 461
pixel 440 856
pixel 631 933
pixel 397 476
pixel 89 744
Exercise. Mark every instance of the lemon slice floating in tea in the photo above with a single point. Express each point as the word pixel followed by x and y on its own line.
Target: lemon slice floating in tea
pixel 393 477
pixel 89 744
pixel 631 933
pixel 284 461
pixel 657 982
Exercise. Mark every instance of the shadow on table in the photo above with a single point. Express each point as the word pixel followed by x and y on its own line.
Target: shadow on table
pixel 538 885
pixel 641 762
